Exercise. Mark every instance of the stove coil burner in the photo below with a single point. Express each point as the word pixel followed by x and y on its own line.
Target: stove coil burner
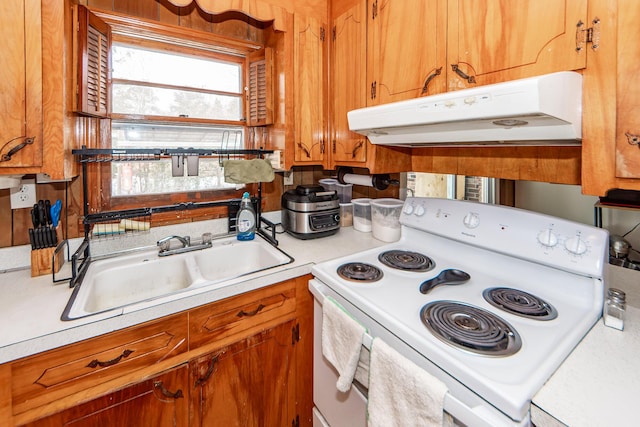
pixel 406 260
pixel 360 272
pixel 520 303
pixel 470 328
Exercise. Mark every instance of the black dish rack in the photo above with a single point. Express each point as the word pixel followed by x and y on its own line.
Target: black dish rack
pixel 114 223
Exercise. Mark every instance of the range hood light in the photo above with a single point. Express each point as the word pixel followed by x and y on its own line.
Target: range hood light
pixel 509 123
pixel 541 110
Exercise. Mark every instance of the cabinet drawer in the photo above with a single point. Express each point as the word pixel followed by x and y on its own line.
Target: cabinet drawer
pixel 48 376
pixel 238 314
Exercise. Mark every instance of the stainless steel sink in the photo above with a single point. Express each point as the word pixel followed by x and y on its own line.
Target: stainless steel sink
pixel 129 280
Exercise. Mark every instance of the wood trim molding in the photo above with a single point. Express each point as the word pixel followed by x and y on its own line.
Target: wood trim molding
pixel 255 9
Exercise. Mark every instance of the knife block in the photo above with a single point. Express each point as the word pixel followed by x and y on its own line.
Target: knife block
pixel 42 262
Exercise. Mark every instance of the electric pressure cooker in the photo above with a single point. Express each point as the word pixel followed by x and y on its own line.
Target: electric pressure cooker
pixel 309 212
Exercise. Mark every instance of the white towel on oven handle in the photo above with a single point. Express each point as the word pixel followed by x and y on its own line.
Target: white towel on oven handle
pixel 401 393
pixel 341 341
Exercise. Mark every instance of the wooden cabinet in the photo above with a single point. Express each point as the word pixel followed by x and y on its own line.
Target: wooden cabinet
pixel 247 383
pixel 405 49
pixel 44 378
pixel 309 90
pixel 610 153
pixel 418 48
pixel 348 69
pixel 492 41
pixel 20 86
pixel 245 360
pixel 237 316
pixel 161 401
pixel 350 90
pixel 36 87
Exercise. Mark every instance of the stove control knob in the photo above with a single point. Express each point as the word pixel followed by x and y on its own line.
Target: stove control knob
pixel 420 210
pixel 471 220
pixel 576 245
pixel 408 208
pixel 548 238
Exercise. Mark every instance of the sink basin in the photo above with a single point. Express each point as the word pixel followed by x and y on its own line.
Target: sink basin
pixel 234 258
pixel 140 280
pixel 124 281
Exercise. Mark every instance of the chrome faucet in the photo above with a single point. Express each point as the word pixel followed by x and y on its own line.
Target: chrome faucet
pixel 165 244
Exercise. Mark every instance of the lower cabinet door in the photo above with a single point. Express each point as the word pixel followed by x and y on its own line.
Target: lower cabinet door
pixel 160 401
pixel 248 383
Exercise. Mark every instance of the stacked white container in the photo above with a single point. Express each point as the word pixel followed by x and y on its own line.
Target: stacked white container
pixel 362 214
pixel 385 219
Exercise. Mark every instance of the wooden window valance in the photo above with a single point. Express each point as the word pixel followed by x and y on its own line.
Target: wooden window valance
pixel 255 9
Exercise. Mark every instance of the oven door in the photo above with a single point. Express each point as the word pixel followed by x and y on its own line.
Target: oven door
pixel 332 407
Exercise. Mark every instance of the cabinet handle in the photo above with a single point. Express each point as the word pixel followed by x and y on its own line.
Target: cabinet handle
pixel 26 141
pixel 458 71
pixel 355 150
pixel 373 90
pixel 304 149
pixel 633 139
pixel 431 77
pixel 167 393
pixel 207 375
pixel 95 362
pixel 243 313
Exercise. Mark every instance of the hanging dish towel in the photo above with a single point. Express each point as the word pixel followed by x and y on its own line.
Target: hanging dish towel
pixel 400 393
pixel 248 171
pixel 341 341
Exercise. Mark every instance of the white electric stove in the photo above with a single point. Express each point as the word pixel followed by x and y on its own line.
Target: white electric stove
pixel 534 289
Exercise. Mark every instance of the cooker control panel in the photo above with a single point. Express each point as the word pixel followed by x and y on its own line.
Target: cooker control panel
pixel 530 235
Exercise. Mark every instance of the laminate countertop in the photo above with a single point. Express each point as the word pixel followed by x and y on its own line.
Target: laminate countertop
pixel 30 307
pixel 599 383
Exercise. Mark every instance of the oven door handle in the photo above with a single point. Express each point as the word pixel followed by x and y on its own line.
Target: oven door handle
pixel 319 291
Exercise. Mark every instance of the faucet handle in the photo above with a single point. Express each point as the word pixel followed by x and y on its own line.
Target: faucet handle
pixel 164 245
pixel 207 238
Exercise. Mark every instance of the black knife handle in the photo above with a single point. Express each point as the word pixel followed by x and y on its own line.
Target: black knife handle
pixel 47 210
pixel 42 217
pixel 35 218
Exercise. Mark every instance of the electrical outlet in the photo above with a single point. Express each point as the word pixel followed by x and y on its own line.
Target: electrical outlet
pixel 24 196
pixel 288 177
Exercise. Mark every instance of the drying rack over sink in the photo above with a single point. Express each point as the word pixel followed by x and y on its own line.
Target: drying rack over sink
pixel 113 223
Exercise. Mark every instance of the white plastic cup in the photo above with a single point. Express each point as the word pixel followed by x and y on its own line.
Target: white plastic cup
pixel 385 219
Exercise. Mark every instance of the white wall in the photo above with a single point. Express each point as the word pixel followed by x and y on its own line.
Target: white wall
pixel 567 201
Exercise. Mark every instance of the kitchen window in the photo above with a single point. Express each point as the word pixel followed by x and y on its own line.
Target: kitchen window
pixel 165 97
pixel 147 85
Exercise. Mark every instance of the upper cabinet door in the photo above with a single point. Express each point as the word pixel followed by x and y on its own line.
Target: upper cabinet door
pixel 20 84
pixel 491 40
pixel 309 59
pixel 407 49
pixel 348 72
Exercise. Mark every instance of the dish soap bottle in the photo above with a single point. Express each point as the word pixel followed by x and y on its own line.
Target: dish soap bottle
pixel 246 219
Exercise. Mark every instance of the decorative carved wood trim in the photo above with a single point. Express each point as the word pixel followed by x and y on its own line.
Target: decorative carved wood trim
pixel 255 9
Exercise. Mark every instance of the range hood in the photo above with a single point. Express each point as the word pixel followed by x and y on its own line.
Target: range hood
pixel 543 110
